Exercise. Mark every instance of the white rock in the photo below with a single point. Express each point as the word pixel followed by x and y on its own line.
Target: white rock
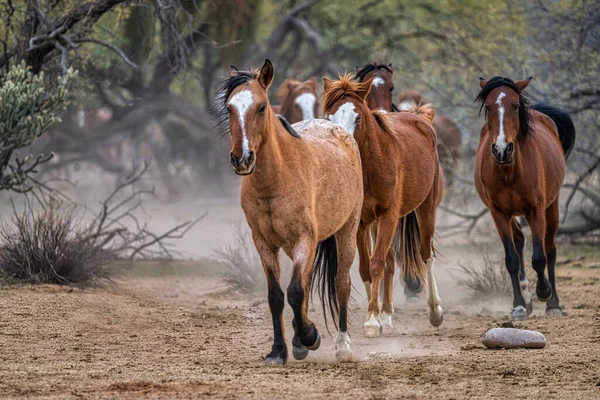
pixel 512 338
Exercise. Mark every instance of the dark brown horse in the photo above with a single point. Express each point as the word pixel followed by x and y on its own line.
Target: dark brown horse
pixel 401 176
pixel 519 169
pixel 298 100
pixel 302 192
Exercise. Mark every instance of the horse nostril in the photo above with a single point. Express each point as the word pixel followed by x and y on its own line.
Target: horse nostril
pixel 494 149
pixel 250 158
pixel 510 148
pixel 233 160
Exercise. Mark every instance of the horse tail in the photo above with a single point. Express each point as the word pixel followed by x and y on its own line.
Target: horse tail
pixel 407 246
pixel 425 111
pixel 564 123
pixel 325 269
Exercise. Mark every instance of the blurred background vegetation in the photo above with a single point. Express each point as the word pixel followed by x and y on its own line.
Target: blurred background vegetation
pixel 148 72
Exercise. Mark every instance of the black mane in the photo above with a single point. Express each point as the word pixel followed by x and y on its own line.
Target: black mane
pixel 365 69
pixel 525 121
pixel 219 109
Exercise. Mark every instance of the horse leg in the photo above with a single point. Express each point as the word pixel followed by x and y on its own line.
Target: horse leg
pixel 363 242
pixel 552 220
pixel 270 260
pixel 346 246
pixel 426 217
pixel 519 240
pixel 306 335
pixel 511 258
pixel 385 234
pixel 387 308
pixel 537 221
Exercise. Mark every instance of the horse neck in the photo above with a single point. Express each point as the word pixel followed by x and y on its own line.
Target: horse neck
pixel 369 138
pixel 270 158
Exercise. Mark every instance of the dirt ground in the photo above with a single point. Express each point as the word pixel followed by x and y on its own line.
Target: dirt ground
pixel 174 331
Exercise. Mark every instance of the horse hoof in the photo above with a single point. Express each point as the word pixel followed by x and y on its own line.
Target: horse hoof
pixel 543 295
pixel 298 350
pixel 386 324
pixel 554 312
pixel 372 327
pixel 342 347
pixel 518 313
pixel 343 355
pixel 436 316
pixel 276 361
pixel 317 343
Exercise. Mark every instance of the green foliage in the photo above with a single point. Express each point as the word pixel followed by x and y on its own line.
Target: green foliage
pixel 27 110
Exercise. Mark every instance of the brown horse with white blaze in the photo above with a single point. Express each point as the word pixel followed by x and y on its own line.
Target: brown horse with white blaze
pixel 519 170
pixel 400 175
pixel 298 100
pixel 293 178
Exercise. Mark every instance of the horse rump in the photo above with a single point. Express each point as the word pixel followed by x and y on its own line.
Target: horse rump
pixel 324 275
pixel 407 248
pixel 564 123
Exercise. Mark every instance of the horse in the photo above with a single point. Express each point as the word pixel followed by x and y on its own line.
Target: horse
pixel 380 98
pixel 401 182
pixel 298 100
pixel 301 192
pixel 519 169
pixel 450 139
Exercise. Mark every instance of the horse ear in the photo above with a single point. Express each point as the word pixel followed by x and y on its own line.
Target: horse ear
pixel 266 74
pixel 365 87
pixel 356 69
pixel 311 82
pixel 327 84
pixel 482 82
pixel 391 68
pixel 233 70
pixel 523 83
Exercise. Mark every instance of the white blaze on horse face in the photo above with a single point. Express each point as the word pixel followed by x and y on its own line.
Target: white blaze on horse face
pixel 242 102
pixel 306 101
pixel 377 81
pixel 345 116
pixel 501 140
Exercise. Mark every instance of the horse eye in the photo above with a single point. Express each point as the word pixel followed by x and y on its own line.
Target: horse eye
pixel 229 110
pixel 357 121
pixel 392 89
pixel 262 108
pixel 487 109
pixel 516 106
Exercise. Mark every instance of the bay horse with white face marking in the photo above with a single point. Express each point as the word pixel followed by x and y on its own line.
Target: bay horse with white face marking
pixel 401 181
pixel 519 169
pixel 380 97
pixel 298 100
pixel 301 191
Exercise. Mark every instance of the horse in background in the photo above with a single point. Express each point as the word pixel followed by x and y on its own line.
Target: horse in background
pixel 402 177
pixel 450 141
pixel 302 192
pixel 298 100
pixel 519 170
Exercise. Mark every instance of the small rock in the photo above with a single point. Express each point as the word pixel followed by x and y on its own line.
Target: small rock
pixel 512 338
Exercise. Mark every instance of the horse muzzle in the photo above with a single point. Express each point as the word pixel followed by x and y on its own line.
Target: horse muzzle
pixel 243 165
pixel 503 156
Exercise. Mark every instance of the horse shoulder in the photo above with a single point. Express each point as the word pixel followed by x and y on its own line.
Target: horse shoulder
pixel 415 124
pixel 546 122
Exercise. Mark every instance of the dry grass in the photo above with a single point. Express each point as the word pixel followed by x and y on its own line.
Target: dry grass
pixel 490 280
pixel 49 246
pixel 241 268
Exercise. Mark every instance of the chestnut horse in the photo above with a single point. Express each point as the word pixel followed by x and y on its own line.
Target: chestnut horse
pixel 380 97
pixel 450 139
pixel 301 191
pixel 400 174
pixel 519 169
pixel 298 100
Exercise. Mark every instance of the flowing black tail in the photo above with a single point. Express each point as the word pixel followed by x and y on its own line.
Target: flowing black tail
pixel 566 129
pixel 407 246
pixel 324 275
